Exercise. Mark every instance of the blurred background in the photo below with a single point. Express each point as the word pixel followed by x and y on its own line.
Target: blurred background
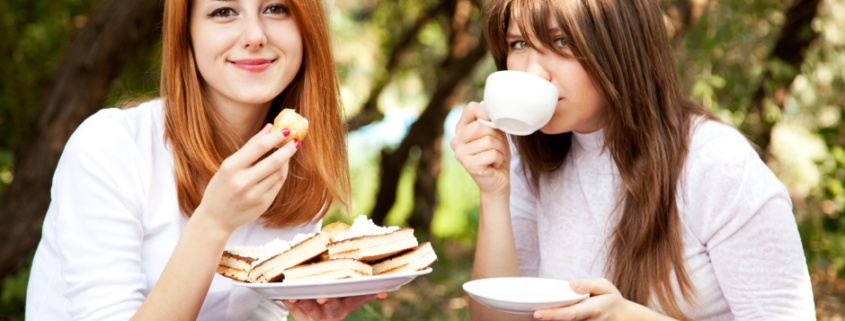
pixel 774 69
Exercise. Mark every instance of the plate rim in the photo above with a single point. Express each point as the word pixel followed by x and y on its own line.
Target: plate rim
pixel 578 297
pixel 272 285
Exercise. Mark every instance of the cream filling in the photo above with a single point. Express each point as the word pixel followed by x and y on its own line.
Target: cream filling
pixel 325 267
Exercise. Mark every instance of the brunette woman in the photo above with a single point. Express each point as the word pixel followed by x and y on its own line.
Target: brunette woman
pixel 633 193
pixel 144 200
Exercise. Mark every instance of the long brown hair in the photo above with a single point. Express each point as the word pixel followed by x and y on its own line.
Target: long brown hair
pixel 319 172
pixel 624 47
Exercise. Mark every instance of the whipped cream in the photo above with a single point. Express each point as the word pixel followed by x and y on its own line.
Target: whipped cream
pixel 299 238
pixel 364 227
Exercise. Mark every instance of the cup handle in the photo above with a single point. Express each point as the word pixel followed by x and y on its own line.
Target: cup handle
pixel 486 122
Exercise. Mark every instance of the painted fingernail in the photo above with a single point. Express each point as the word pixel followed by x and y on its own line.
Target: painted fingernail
pixel 286 132
pixel 380 299
pixel 324 302
pixel 538 315
pixel 294 301
pixel 267 126
pixel 296 143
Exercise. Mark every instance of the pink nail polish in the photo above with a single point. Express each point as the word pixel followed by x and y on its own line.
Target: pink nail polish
pixel 286 132
pixel 538 315
pixel 324 303
pixel 294 301
pixel 296 143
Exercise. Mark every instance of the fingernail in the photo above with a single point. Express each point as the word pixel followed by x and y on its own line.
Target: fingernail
pixel 286 132
pixel 266 126
pixel 538 315
pixel 324 302
pixel 296 143
pixel 576 283
pixel 380 299
pixel 294 301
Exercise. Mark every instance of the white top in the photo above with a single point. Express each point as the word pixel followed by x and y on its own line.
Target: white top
pixel 114 221
pixel 741 244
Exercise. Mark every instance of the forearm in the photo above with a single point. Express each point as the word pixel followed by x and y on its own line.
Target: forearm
pixel 495 253
pixel 180 291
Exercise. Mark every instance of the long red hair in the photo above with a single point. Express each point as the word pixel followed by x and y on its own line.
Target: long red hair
pixel 624 47
pixel 200 140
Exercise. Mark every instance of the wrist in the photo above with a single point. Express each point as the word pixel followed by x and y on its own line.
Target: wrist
pixel 498 194
pixel 209 224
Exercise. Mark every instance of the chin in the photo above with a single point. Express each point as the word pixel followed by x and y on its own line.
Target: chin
pixel 551 130
pixel 256 96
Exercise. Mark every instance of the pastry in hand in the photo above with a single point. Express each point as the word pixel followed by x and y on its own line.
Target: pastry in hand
pixel 297 125
pixel 335 229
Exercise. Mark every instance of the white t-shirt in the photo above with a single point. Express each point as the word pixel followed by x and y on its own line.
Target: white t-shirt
pixel 114 222
pixel 741 245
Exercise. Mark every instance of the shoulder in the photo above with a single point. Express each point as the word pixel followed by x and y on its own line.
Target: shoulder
pixel 717 141
pixel 720 150
pixel 112 135
pixel 118 126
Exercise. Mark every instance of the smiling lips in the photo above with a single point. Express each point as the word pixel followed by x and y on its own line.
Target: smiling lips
pixel 253 65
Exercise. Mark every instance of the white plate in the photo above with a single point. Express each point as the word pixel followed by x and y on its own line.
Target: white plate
pixel 523 295
pixel 333 288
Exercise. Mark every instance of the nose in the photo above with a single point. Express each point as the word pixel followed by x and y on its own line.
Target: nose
pixel 536 65
pixel 253 36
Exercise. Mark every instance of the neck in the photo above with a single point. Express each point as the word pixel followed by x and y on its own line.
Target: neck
pixel 244 119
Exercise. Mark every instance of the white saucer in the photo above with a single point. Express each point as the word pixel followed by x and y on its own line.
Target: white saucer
pixel 333 288
pixel 523 295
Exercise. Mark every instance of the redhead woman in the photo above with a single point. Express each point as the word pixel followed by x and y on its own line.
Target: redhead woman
pixel 144 200
pixel 631 192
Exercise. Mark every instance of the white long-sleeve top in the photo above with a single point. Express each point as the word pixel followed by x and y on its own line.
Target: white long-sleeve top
pixel 742 250
pixel 114 221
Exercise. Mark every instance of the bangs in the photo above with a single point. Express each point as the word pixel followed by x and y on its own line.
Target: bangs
pixel 532 18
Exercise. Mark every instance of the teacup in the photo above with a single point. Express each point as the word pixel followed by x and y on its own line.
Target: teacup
pixel 517 102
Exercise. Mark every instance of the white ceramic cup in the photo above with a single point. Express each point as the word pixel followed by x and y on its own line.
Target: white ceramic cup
pixel 517 102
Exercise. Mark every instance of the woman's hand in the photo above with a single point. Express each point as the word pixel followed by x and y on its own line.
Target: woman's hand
pixel 483 151
pixel 605 303
pixel 328 309
pixel 243 189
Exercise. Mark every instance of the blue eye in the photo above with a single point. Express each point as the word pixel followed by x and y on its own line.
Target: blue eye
pixel 223 13
pixel 560 42
pixel 518 44
pixel 277 9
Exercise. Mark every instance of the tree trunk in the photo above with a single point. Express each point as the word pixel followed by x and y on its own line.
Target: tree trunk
pixel 92 60
pixel 795 37
pixel 426 132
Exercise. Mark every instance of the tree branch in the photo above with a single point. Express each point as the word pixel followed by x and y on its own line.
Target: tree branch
pixel 369 112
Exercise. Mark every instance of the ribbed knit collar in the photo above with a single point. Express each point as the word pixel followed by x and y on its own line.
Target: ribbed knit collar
pixel 591 142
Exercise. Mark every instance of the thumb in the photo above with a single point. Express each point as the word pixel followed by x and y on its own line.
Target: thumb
pixel 592 286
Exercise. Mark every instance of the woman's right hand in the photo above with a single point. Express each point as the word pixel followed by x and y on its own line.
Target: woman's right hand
pixel 483 151
pixel 242 189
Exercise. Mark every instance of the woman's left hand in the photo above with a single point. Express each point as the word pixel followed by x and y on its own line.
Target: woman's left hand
pixel 328 309
pixel 605 303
